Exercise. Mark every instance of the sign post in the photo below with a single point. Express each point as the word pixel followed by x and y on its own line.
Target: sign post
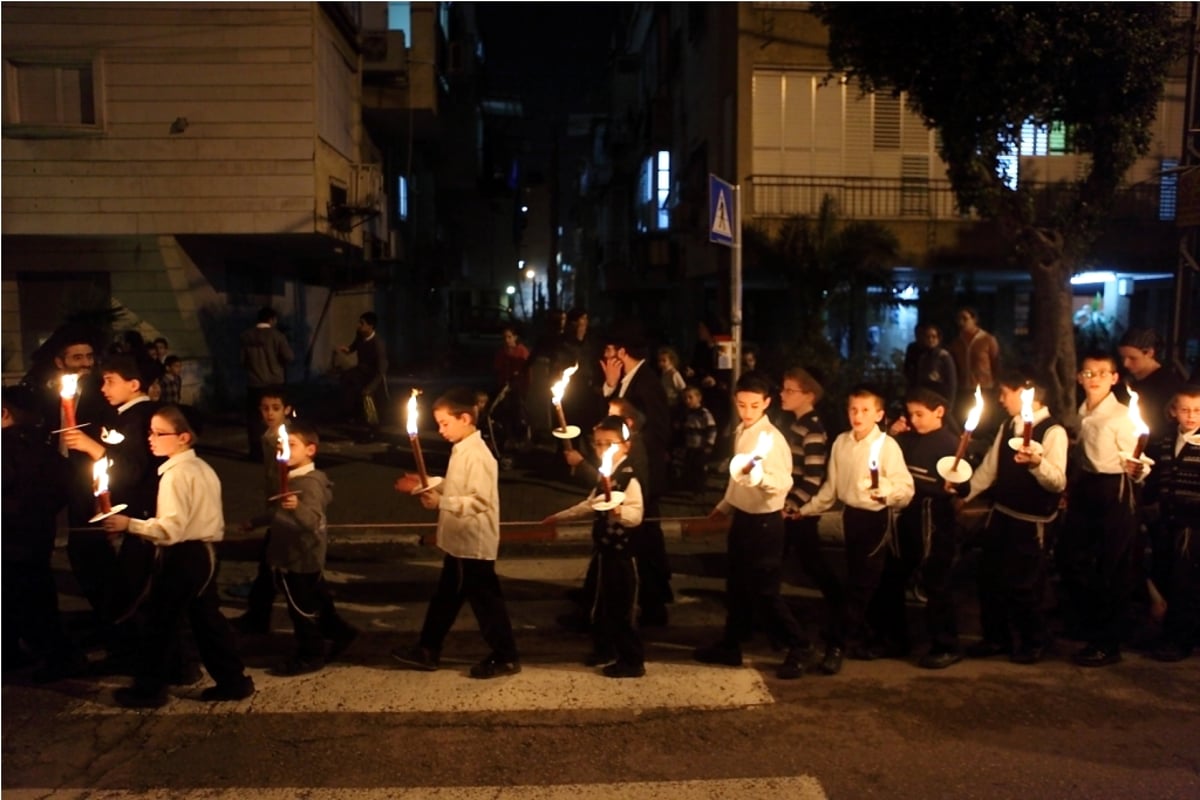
pixel 725 228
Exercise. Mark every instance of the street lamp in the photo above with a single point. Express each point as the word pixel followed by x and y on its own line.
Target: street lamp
pixel 530 274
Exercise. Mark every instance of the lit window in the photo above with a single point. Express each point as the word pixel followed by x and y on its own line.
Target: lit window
pixel 1168 189
pixel 654 192
pixel 1008 168
pixel 51 94
pixel 402 198
pixel 663 189
pixel 399 18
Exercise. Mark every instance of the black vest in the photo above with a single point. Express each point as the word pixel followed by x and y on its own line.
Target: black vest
pixel 1015 487
pixel 1175 480
pixel 607 534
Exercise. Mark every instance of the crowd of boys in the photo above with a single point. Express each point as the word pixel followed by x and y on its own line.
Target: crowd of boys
pixel 898 502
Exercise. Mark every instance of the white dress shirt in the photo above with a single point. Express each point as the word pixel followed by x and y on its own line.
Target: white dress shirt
pixel 848 466
pixel 752 495
pixel 189 503
pixel 620 389
pixel 469 509
pixel 1104 433
pixel 1051 473
pixel 629 513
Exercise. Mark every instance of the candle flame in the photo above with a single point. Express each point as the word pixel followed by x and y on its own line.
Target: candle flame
pixel 625 432
pixel 559 389
pixel 111 437
pixel 1135 415
pixel 873 454
pixel 411 417
pixel 606 461
pixel 100 476
pixel 976 411
pixel 761 447
pixel 283 451
pixel 69 386
pixel 1027 404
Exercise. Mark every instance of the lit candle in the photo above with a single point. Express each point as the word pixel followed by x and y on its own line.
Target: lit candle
pixel 1027 416
pixel 1139 426
pixel 414 439
pixel 557 391
pixel 873 461
pixel 968 427
pixel 100 485
pixel 761 448
pixel 606 468
pixel 68 388
pixel 283 454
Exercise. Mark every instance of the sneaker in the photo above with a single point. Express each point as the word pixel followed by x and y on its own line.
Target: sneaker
pixel 133 697
pixel 238 690
pixel 298 666
pixel 940 660
pixel 493 667
pixel 416 657
pixel 831 662
pixel 719 653
pixel 793 664
pixel 341 642
pixel 621 669
pixel 1092 656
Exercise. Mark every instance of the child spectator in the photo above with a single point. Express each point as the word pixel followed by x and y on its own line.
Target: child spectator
pixel 672 381
pixel 187 523
pixel 1025 487
pixel 755 497
pixel 171 381
pixel 699 439
pixel 930 365
pixel 1096 552
pixel 296 546
pixel 810 446
pixel 1175 486
pixel 468 531
pixel 867 516
pixel 616 639
pixel 925 529
pixel 275 410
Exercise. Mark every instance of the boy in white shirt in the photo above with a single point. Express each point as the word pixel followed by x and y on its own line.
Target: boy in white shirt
pixel 755 497
pixel 867 516
pixel 468 531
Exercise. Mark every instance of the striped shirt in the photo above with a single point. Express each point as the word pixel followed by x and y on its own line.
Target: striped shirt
pixel 810 451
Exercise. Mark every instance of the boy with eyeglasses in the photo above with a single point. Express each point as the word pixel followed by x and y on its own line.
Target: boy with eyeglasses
pixel 1096 552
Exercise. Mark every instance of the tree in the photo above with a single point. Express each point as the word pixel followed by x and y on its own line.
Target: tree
pixel 979 72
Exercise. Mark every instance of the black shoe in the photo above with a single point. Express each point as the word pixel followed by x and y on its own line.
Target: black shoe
pixel 416 657
pixel 298 666
pixel 720 653
pixel 653 617
pixel 493 667
pixel 794 664
pixel 598 658
pixel 831 662
pixel 239 690
pixel 1091 656
pixel 985 648
pixel 940 660
pixel 250 625
pixel 620 669
pixel 866 651
pixel 1028 655
pixel 1169 652
pixel 133 697
pixel 341 642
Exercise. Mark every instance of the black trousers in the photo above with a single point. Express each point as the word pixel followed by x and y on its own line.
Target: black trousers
pixel 614 628
pixel 262 591
pixel 924 520
pixel 185 586
pixel 755 562
pixel 474 581
pixel 1096 555
pixel 1012 579
pixel 654 566
pixel 311 609
pixel 1181 586
pixel 866 550
pixel 802 547
pixel 29 607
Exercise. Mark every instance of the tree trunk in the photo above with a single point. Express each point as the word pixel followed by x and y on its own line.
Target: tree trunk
pixel 1053 324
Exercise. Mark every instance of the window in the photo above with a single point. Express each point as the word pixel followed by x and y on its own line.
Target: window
pixel 1044 140
pixel 1168 189
pixel 402 198
pixel 654 192
pixel 399 18
pixel 51 94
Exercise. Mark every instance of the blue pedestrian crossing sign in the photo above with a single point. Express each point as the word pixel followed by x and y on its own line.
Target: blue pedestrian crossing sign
pixel 721 210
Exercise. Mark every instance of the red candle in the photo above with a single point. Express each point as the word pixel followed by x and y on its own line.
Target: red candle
pixel 1141 446
pixel 962 449
pixel 100 485
pixel 1027 416
pixel 69 386
pixel 606 468
pixel 873 462
pixel 415 440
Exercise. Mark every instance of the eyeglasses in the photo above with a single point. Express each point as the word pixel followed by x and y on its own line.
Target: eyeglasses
pixel 788 390
pixel 157 434
pixel 1088 374
pixel 597 443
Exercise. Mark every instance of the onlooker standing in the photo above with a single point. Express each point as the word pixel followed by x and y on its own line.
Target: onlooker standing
pixel 368 379
pixel 976 361
pixel 171 382
pixel 931 365
pixel 265 356
pixel 672 381
pixel 1139 350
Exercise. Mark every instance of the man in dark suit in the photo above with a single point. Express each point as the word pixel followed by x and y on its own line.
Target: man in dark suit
pixel 630 376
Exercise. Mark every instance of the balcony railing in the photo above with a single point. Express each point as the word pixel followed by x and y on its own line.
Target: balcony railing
pixel 905 199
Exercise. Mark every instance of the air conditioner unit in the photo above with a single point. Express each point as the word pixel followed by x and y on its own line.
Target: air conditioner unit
pixel 385 52
pixel 367 191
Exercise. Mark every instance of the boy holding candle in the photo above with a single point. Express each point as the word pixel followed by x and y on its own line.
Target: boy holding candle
pixel 468 531
pixel 1025 485
pixel 755 498
pixel 867 473
pixel 296 546
pixel 615 636
pixel 924 534
pixel 1096 554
